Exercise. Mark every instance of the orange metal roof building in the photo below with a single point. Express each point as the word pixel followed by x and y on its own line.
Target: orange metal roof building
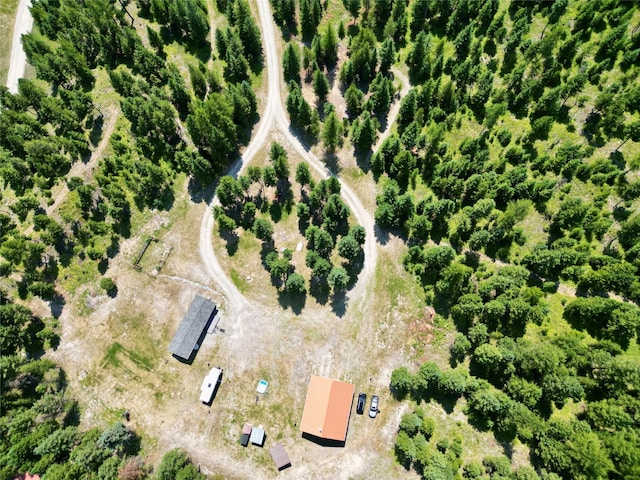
pixel 327 408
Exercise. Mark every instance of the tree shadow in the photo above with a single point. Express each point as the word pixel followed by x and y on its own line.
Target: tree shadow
pixel 621 213
pixel 163 201
pixel 332 162
pixel 363 160
pixel 617 158
pixel 232 241
pixel 319 290
pixel 96 131
pixel 479 422
pixel 113 292
pixel 353 29
pixel 123 225
pixel 563 115
pixel 103 265
pixel 442 303
pixel 199 48
pixel 471 259
pixel 246 128
pixel 382 118
pixel 257 66
pixel 339 303
pixel 295 301
pixel 353 268
pixel 199 191
pixel 265 249
pixel 303 224
pixel 275 210
pixel 114 247
pixel 73 412
pixel 306 139
pixel 381 234
pixel 35 345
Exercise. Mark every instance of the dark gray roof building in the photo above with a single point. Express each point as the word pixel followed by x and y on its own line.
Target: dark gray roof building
pixel 193 328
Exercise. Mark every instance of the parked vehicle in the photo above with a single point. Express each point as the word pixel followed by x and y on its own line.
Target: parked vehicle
pixel 362 400
pixel 373 410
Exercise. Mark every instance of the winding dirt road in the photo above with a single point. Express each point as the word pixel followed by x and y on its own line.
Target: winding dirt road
pixel 84 170
pixel 274 118
pixel 395 107
pixel 18 59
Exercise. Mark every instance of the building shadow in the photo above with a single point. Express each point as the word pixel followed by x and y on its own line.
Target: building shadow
pixel 323 442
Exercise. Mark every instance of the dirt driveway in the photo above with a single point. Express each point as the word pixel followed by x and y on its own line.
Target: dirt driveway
pixel 115 352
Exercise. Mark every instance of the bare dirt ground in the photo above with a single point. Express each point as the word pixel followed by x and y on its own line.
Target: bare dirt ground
pixel 115 354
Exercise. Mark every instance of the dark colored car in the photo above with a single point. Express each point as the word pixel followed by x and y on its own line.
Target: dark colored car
pixel 373 411
pixel 362 400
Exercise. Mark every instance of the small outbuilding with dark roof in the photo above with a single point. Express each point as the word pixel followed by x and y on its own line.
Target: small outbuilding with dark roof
pixel 193 328
pixel 246 433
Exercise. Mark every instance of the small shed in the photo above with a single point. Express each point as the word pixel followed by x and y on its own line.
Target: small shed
pixel 257 436
pixel 192 330
pixel 209 385
pixel 279 456
pixel 246 433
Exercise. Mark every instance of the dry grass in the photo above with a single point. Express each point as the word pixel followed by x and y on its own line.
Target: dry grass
pixel 8 10
pixel 115 353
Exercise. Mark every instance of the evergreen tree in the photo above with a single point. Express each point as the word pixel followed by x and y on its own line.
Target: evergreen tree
pixel 363 132
pixel 248 32
pixel 353 98
pixel 320 86
pixel 237 66
pixel 387 55
pixel 363 55
pixel 330 47
pixel 212 129
pixel 303 174
pixel 353 6
pixel 332 131
pixel 291 63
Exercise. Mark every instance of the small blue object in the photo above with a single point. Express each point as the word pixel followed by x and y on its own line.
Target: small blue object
pixel 262 386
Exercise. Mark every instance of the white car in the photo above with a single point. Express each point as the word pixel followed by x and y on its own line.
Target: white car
pixel 373 410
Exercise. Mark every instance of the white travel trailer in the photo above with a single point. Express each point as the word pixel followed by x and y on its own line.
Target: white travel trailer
pixel 209 385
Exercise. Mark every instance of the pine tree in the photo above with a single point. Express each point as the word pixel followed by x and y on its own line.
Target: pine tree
pixel 320 86
pixel 387 55
pixel 332 131
pixel 291 63
pixel 330 47
pixel 363 132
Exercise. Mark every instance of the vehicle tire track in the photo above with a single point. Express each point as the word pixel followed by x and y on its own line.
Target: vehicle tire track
pixel 274 117
pixel 18 59
pixel 80 169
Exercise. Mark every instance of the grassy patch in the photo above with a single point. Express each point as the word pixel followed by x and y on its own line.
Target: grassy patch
pixel 239 281
pixel 8 11
pixel 141 361
pixel 111 357
pixel 77 274
pixel 475 444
